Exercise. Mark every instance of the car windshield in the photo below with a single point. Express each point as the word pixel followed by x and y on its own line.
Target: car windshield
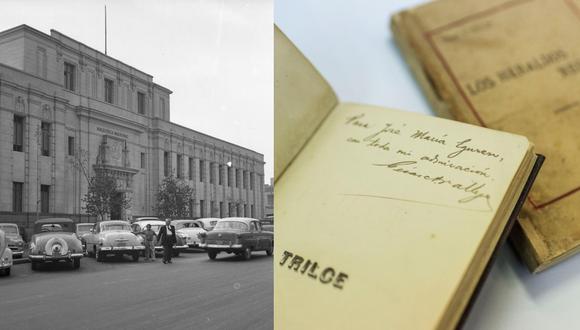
pixel 186 225
pixel 213 222
pixel 9 229
pixel 115 226
pixel 155 228
pixel 235 225
pixel 84 228
pixel 51 227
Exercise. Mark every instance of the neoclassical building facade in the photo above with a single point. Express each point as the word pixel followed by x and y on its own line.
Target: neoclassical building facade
pixel 66 108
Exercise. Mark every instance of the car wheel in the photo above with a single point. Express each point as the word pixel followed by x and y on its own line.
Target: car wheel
pixel 212 254
pixel 99 256
pixel 136 256
pixel 269 251
pixel 247 253
pixel 77 263
pixel 33 265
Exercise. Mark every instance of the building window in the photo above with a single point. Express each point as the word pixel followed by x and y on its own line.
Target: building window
pixel 252 179
pixel 45 148
pixel 246 210
pixel 201 165
pixel 109 88
pixel 18 133
pixel 141 103
pixel 230 176
pixel 190 168
pixel 44 198
pixel 212 209
pixel 17 196
pixel 41 62
pixel 201 208
pixel 220 174
pixel 162 108
pixel 71 146
pixel 69 76
pixel 238 178
pixel 143 161
pixel 179 166
pixel 245 179
pixel 230 210
pixel 222 210
pixel 253 214
pixel 166 163
pixel 238 210
pixel 211 173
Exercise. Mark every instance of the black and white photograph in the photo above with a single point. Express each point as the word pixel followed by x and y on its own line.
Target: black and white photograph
pixel 136 164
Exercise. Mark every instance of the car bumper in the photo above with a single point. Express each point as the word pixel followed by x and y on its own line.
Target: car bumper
pixel 17 254
pixel 122 248
pixel 181 247
pixel 42 257
pixel 222 246
pixel 194 244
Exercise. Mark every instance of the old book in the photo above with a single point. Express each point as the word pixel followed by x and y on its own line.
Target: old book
pixel 512 66
pixel 385 219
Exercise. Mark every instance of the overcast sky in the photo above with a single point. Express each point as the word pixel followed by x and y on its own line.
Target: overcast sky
pixel 215 55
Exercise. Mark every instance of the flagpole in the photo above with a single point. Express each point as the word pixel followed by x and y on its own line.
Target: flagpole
pixel 105 29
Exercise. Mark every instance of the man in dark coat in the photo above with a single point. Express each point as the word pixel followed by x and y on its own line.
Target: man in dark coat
pixel 167 238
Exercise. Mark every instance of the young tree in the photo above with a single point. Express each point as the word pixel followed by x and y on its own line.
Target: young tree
pixel 103 195
pixel 173 198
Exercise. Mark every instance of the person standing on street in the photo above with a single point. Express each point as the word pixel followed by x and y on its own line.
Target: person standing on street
pixel 149 243
pixel 167 237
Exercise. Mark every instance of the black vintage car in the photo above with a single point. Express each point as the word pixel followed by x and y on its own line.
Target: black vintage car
pixel 240 236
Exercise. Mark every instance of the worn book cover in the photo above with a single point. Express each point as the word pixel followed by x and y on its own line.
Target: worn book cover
pixel 385 219
pixel 512 66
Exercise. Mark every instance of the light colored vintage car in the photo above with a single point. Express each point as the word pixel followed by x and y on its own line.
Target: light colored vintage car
pixel 5 255
pixel 13 238
pixel 191 230
pixel 113 237
pixel 139 226
pixel 240 236
pixel 207 223
pixel 54 240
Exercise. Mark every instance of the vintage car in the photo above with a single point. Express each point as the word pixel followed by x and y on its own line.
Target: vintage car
pixel 191 230
pixel 207 223
pixel 82 229
pixel 13 238
pixel 240 236
pixel 5 255
pixel 139 226
pixel 54 240
pixel 113 237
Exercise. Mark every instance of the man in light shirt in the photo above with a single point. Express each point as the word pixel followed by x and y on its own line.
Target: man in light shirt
pixel 167 238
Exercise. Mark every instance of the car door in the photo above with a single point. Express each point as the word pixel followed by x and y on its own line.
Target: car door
pixel 258 235
pixel 91 238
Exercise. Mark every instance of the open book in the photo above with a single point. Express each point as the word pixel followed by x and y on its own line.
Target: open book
pixel 508 65
pixel 385 219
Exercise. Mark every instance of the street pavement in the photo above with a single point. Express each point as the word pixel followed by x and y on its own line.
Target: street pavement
pixel 191 293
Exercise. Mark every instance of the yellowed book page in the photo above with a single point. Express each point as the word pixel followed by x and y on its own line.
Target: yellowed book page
pixel 302 99
pixel 380 216
pixel 515 66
